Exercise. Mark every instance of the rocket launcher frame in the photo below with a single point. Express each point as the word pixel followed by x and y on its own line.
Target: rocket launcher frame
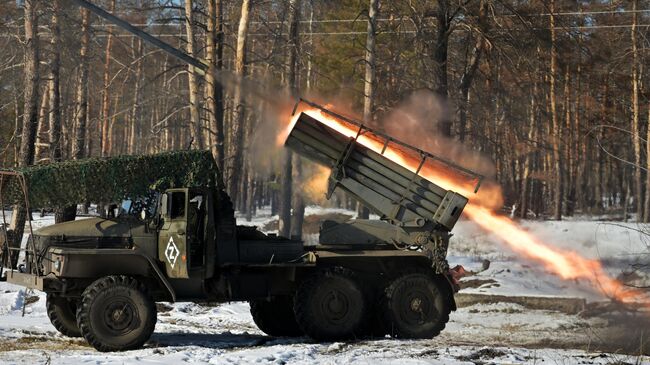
pixel 392 191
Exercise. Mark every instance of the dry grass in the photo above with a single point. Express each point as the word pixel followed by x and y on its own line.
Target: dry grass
pixel 42 343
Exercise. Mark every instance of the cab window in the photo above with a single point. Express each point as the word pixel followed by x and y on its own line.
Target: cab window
pixel 177 209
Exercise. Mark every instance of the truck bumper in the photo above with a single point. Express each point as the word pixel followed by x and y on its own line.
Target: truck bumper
pixel 27 280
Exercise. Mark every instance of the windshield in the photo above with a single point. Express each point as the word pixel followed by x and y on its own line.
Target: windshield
pixel 134 206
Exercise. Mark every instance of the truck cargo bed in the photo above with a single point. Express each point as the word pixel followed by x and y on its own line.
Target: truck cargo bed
pixel 256 247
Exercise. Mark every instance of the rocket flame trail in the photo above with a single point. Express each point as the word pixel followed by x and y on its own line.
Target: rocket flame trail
pixel 565 263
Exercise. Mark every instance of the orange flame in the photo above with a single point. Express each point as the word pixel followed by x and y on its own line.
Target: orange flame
pixel 565 263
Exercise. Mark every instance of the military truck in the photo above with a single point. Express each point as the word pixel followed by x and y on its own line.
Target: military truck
pixel 180 242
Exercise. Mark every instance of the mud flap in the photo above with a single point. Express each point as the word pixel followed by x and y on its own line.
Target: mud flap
pixel 452 278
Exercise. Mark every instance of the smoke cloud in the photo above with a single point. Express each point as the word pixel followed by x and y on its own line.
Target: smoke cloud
pixel 416 121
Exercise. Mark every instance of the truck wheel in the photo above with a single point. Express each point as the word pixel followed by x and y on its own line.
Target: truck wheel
pixel 116 314
pixel 275 317
pixel 62 313
pixel 415 306
pixel 331 306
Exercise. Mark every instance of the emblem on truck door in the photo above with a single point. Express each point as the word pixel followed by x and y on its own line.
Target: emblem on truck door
pixel 171 252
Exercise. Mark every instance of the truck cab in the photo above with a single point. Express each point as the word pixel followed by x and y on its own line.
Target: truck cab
pixel 186 239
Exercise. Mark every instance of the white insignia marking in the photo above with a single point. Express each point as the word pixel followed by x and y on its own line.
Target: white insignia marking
pixel 171 252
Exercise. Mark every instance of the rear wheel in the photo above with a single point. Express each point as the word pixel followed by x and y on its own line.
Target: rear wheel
pixel 415 306
pixel 116 314
pixel 62 313
pixel 275 317
pixel 331 306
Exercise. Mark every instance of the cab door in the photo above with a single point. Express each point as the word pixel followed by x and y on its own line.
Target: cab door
pixel 172 240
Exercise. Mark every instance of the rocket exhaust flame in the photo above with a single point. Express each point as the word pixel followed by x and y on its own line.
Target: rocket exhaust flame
pixel 564 263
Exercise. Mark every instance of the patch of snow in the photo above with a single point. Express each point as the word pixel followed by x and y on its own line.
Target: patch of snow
pixel 617 245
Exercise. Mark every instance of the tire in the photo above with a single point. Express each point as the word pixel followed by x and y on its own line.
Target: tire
pixel 275 317
pixel 415 306
pixel 331 306
pixel 62 313
pixel 116 314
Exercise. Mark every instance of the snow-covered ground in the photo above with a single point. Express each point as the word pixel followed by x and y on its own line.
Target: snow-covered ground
pixel 498 333
pixel 191 333
pixel 619 246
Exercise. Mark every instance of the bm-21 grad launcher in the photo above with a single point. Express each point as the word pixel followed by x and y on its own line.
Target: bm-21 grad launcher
pixel 366 278
pixel 415 213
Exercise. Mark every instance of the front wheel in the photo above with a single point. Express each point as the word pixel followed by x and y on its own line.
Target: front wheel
pixel 62 312
pixel 116 314
pixel 415 306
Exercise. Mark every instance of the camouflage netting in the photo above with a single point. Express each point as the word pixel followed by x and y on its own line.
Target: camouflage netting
pixel 110 179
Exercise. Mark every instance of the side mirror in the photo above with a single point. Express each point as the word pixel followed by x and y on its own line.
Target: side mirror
pixel 144 215
pixel 164 205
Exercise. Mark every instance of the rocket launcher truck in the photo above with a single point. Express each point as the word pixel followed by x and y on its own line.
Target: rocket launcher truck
pixel 175 238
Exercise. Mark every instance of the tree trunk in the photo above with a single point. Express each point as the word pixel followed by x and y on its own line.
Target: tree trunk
pixel 636 128
pixel 581 150
pixel 30 114
pixel 214 50
pixel 167 133
pixel 42 142
pixel 298 203
pixel 532 127
pixel 55 106
pixel 136 109
pixel 32 78
pixel 443 23
pixel 60 214
pixel 310 56
pixel 112 129
pixel 193 81
pixel 286 176
pixel 251 187
pixel 647 189
pixel 569 191
pixel 106 101
pixel 599 190
pixel 468 76
pixel 369 81
pixel 81 109
pixel 81 105
pixel 284 211
pixel 235 147
pixel 557 127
